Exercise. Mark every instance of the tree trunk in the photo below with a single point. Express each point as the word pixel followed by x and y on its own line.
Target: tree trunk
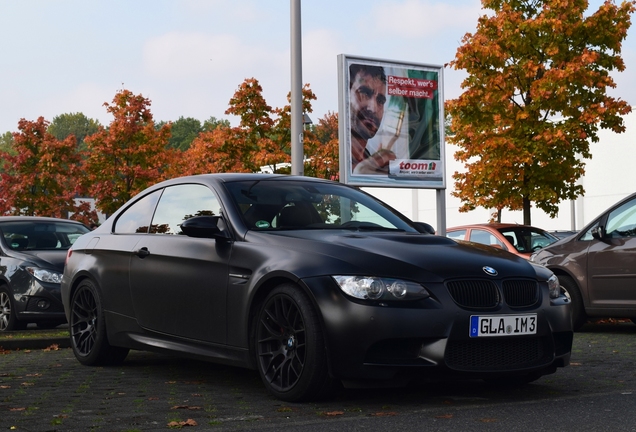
pixel 526 211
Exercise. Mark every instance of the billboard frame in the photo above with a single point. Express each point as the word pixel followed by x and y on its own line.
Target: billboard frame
pixel 434 178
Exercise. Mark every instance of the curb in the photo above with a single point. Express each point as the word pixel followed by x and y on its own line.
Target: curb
pixel 41 343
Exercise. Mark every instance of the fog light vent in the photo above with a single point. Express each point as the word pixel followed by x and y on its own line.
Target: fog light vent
pixel 43 304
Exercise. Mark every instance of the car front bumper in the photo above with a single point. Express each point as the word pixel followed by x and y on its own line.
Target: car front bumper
pixel 430 338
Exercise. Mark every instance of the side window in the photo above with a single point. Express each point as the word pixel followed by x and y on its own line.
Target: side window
pixel 622 221
pixel 484 237
pixel 457 235
pixel 136 219
pixel 181 202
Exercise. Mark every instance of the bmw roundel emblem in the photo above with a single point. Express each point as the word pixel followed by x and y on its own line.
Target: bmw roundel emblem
pixel 490 271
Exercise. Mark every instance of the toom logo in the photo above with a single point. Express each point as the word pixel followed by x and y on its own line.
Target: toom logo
pixel 415 168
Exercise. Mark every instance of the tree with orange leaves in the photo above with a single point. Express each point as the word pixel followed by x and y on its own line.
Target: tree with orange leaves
pixel 322 146
pixel 40 175
pixel 258 140
pixel 535 95
pixel 128 156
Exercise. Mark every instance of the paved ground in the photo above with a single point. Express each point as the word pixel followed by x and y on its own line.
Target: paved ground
pixel 47 389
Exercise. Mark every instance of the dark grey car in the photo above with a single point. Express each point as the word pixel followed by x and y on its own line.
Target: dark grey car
pixel 32 254
pixel 597 267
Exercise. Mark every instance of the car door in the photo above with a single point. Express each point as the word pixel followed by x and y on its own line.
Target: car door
pixel 179 283
pixel 611 266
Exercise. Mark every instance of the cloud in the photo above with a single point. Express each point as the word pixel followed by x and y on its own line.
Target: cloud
pixel 416 18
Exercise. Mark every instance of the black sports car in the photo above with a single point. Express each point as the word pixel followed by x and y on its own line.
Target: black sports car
pixel 32 253
pixel 310 282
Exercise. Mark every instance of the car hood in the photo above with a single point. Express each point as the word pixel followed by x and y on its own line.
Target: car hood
pixel 407 255
pixel 49 259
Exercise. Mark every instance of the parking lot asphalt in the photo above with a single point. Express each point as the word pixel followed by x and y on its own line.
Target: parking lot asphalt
pixel 46 389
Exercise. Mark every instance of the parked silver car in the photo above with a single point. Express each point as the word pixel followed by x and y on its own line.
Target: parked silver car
pixel 597 267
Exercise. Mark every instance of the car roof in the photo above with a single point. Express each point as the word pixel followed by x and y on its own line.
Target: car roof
pixel 493 225
pixel 35 219
pixel 230 177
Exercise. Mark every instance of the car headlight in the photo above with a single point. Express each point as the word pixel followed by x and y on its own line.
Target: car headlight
pixel 376 288
pixel 554 286
pixel 45 275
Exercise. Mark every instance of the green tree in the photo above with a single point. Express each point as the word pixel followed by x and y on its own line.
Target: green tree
pixel 41 178
pixel 183 132
pixel 6 143
pixel 76 124
pixel 213 123
pixel 129 156
pixel 535 95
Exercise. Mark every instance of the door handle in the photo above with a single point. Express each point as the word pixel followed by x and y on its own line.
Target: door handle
pixel 142 253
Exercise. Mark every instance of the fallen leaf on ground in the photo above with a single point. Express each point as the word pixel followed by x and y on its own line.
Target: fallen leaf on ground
pixel 334 413
pixel 17 409
pixel 383 414
pixel 444 416
pixel 188 422
pixel 488 420
pixel 54 347
pixel 186 407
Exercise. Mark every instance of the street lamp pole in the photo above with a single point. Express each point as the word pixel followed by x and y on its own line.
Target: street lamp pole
pixel 297 167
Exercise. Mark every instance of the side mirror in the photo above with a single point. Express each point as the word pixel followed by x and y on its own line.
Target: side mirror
pixel 598 232
pixel 424 228
pixel 204 227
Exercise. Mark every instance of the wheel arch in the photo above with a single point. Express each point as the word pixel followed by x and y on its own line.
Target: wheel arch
pixel 560 271
pixel 258 298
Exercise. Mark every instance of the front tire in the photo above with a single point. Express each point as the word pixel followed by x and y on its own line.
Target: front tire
pixel 290 347
pixel 87 328
pixel 571 290
pixel 8 319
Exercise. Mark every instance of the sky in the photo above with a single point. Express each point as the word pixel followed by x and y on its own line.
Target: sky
pixel 190 56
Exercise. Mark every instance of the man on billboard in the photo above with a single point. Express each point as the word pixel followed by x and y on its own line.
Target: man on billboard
pixel 367 96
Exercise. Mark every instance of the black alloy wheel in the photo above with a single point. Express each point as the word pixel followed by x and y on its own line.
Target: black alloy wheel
pixel 88 329
pixel 290 347
pixel 8 319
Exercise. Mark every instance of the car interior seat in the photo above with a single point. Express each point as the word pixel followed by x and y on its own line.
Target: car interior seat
pixel 298 215
pixel 46 241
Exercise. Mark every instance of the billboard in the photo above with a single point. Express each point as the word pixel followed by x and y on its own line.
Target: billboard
pixel 391 123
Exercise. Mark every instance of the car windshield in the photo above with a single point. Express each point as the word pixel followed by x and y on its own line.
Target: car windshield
pixel 527 239
pixel 280 204
pixel 31 235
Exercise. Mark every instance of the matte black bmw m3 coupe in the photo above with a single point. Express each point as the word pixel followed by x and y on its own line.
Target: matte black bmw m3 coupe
pixel 310 282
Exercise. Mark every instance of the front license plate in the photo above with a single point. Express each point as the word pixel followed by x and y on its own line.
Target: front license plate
pixel 503 325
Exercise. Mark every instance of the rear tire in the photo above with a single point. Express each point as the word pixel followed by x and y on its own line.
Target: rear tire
pixel 290 347
pixel 571 290
pixel 87 328
pixel 8 319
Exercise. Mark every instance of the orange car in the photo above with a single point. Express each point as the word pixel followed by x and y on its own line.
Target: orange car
pixel 521 240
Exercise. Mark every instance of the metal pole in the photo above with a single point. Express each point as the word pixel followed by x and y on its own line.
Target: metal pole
pixel 296 91
pixel 441 211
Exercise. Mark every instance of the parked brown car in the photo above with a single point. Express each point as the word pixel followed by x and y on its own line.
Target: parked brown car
pixel 520 240
pixel 597 267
